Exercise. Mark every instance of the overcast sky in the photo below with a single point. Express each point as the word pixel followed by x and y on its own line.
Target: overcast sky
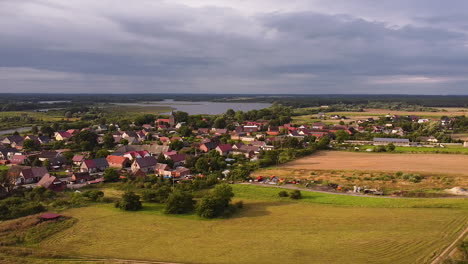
pixel 234 46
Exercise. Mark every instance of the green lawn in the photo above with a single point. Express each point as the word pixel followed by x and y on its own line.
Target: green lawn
pixel 321 228
pixel 445 150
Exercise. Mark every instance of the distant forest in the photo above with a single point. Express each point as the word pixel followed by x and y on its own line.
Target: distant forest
pixel 21 102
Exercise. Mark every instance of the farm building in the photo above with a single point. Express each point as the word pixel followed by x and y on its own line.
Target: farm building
pixel 394 141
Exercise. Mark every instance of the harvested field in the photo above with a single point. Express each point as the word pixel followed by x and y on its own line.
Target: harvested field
pixel 419 172
pixel 429 163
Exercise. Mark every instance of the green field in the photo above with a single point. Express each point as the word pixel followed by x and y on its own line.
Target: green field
pixel 321 228
pixel 445 150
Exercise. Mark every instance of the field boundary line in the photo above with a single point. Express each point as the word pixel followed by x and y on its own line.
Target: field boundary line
pixel 447 251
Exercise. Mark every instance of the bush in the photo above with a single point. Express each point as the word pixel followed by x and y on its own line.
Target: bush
pixel 239 204
pixel 94 195
pixel 283 194
pixel 111 175
pixel 159 195
pixel 296 194
pixel 179 203
pixel 129 202
pixel 216 203
pixel 14 207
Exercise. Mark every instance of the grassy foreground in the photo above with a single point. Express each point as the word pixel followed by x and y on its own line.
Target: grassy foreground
pixel 321 228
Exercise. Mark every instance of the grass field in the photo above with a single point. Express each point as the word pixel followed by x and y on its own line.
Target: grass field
pixel 445 150
pixel 368 113
pixel 131 112
pixel 321 228
pixel 377 170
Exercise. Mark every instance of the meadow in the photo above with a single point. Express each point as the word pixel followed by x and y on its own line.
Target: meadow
pixel 375 113
pixel 320 228
pixel 447 149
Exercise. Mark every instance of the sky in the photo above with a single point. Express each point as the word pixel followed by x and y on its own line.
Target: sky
pixel 242 46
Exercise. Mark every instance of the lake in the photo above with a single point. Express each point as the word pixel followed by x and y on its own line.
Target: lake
pixel 197 108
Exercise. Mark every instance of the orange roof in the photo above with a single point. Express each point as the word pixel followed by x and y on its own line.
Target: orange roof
pixel 116 159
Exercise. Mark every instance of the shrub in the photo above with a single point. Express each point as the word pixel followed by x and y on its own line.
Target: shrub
pixel 94 195
pixel 296 194
pixel 179 203
pixel 111 175
pixel 216 203
pixel 129 202
pixel 14 207
pixel 283 194
pixel 239 204
pixel 159 195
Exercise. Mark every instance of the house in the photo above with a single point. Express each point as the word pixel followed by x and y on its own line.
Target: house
pixel 62 136
pixel 319 126
pixel 180 172
pixel 162 169
pixel 177 159
pixel 131 155
pixel 47 155
pixel 207 146
pixel 19 159
pixel 250 128
pixel 153 149
pixel 73 132
pixel 81 177
pixel 398 131
pixel 224 149
pixel 43 139
pixel 94 165
pixel 78 159
pixel 145 164
pixel 118 162
pixel 220 131
pixel 52 183
pixel 423 120
pixel 203 131
pixel 273 131
pixel 31 175
pixel 15 139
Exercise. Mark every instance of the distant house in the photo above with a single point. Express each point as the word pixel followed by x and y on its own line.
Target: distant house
pixel 31 175
pixel 52 183
pixel 250 129
pixel 153 149
pixel 162 169
pixel 78 159
pixel 180 172
pixel 177 159
pixel 117 162
pixel 146 164
pixel 224 149
pixel 131 155
pixel 47 155
pixel 15 139
pixel 18 159
pixel 207 146
pixel 94 165
pixel 81 177
pixel 62 136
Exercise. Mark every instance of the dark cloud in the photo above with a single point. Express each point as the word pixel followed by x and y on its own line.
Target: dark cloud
pixel 184 46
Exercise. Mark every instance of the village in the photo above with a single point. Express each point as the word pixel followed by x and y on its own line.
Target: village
pixel 170 148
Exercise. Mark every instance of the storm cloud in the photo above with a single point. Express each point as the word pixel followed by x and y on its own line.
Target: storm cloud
pixel 221 46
